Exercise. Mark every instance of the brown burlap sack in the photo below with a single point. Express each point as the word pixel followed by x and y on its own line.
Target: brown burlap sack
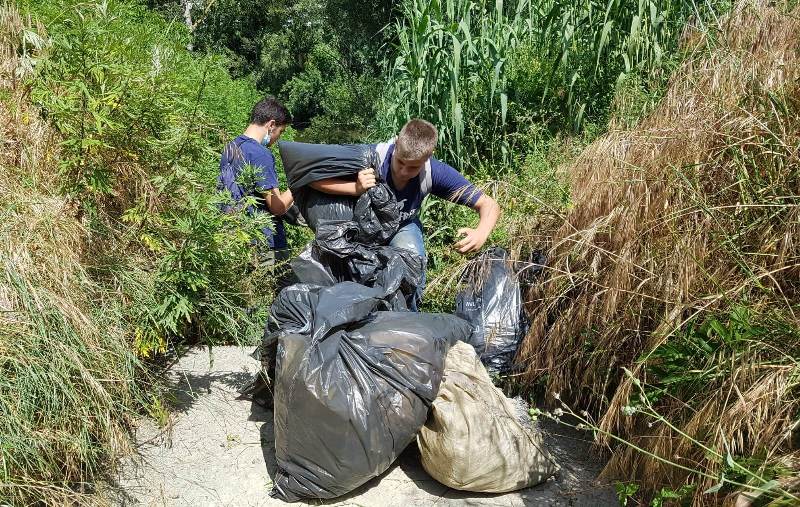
pixel 473 439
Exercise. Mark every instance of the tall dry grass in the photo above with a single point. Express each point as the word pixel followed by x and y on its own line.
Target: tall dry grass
pixel 683 248
pixel 67 375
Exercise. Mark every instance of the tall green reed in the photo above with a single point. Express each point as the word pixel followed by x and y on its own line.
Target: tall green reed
pixel 481 70
pixel 450 68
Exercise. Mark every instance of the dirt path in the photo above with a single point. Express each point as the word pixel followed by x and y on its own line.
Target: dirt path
pixel 219 451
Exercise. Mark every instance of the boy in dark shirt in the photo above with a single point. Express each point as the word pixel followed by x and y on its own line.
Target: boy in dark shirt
pixel 268 119
pixel 410 171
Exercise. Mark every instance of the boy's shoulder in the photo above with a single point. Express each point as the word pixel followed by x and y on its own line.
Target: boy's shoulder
pixel 439 167
pixel 253 151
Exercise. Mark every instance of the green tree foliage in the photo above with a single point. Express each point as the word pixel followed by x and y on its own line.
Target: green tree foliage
pixel 321 58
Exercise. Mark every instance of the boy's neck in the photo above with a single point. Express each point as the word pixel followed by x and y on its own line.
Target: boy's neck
pixel 255 132
pixel 398 182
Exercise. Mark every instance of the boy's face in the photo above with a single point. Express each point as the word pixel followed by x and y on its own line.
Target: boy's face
pixel 276 133
pixel 405 169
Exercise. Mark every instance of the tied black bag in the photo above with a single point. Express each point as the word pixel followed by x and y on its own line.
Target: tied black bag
pixel 354 384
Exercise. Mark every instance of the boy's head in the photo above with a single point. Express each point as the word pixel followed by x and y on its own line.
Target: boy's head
pixel 413 147
pixel 270 116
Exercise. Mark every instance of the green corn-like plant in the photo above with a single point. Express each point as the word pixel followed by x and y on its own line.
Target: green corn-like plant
pixel 451 69
pixel 593 44
pixel 454 64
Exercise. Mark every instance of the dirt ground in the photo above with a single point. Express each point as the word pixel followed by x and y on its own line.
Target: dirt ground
pixel 218 450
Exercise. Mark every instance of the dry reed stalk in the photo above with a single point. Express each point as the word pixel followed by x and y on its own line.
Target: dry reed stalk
pixel 695 209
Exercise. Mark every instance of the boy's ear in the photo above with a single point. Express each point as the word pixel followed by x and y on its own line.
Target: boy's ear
pixel 270 125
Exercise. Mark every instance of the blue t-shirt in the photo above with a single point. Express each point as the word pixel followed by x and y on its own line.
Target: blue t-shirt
pixel 446 183
pixel 239 153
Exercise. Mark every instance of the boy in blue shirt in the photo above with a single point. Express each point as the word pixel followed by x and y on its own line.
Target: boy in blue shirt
pixel 410 171
pixel 268 119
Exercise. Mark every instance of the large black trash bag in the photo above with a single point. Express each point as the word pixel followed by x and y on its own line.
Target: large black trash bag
pixel 376 211
pixel 491 300
pixel 305 163
pixel 330 260
pixel 353 387
pixel 318 207
pixel 395 271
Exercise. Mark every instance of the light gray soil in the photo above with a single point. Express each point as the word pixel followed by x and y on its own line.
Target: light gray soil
pixel 219 450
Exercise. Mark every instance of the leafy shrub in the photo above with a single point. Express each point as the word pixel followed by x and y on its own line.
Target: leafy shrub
pixel 142 122
pixel 70 384
pixel 320 58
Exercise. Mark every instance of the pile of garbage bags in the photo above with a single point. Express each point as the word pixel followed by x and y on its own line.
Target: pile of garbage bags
pixel 354 384
pixel 356 373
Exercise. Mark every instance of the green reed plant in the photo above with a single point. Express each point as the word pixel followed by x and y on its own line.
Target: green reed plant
pixel 451 68
pixel 483 70
pixel 590 46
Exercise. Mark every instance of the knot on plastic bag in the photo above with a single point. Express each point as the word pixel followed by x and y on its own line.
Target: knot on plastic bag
pixel 377 214
pixel 338 238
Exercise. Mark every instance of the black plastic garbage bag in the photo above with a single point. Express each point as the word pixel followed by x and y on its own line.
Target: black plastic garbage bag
pixel 318 207
pixel 376 211
pixel 374 217
pixel 354 385
pixel 377 214
pixel 305 163
pixel 336 257
pixel 329 261
pixel 491 300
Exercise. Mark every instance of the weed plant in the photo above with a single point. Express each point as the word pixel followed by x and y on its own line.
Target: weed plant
pixel 112 245
pixel 70 382
pixel 141 123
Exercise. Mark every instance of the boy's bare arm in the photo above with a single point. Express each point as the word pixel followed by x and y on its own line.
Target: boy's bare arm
pixel 278 202
pixel 366 180
pixel 473 239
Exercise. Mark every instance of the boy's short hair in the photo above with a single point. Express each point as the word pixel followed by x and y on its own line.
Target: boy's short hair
pixel 416 140
pixel 268 109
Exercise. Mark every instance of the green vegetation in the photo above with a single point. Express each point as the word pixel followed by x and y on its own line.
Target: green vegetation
pixel 114 250
pixel 320 58
pixel 142 122
pixel 648 146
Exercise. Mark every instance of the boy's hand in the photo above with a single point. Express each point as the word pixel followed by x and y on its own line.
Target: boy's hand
pixel 366 180
pixel 472 240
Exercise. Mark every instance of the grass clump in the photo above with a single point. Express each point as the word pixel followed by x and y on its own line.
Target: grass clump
pixel 679 263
